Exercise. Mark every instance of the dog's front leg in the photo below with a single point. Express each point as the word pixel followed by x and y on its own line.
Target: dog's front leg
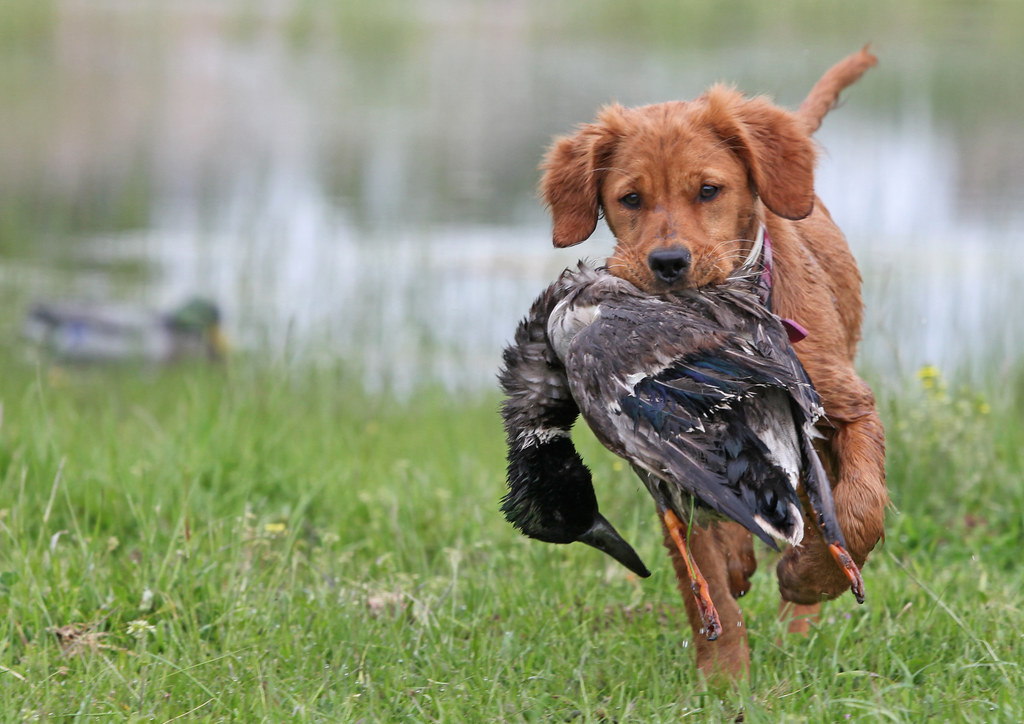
pixel 727 657
pixel 808 573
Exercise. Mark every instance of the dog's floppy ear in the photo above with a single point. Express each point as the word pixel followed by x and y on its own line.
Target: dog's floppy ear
pixel 571 184
pixel 774 145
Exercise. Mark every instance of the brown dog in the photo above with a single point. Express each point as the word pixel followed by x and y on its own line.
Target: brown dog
pixel 685 187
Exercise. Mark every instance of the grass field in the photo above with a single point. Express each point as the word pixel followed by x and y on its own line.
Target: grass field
pixel 251 544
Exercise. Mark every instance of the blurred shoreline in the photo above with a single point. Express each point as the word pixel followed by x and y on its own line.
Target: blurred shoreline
pixel 360 182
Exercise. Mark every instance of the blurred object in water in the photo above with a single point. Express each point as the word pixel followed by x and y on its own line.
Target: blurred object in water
pixel 73 332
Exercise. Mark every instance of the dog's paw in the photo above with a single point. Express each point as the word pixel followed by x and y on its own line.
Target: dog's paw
pixel 741 564
pixel 740 569
pixel 737 547
pixel 808 575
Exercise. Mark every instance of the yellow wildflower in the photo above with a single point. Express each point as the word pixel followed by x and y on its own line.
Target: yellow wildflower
pixel 930 377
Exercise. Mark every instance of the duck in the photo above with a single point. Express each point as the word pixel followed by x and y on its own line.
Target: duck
pixel 700 391
pixel 551 495
pixel 89 333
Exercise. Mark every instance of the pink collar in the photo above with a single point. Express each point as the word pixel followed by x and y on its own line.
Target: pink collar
pixel 761 255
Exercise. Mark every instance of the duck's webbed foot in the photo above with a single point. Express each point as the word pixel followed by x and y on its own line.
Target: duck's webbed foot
pixel 698 584
pixel 845 561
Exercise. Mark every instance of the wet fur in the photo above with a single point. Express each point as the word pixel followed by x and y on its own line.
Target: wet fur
pixel 762 159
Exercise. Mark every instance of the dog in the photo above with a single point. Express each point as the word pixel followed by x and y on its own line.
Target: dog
pixel 686 187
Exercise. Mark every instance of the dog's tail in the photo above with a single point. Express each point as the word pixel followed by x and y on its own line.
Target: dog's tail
pixel 825 93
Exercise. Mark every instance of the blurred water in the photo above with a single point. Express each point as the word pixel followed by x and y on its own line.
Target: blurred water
pixel 360 183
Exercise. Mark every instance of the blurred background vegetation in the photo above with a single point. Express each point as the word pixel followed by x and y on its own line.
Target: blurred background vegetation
pixel 357 179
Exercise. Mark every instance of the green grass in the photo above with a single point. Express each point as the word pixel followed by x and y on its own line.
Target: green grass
pixel 247 544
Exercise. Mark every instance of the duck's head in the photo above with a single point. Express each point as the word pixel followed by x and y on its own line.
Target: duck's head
pixel 551 498
pixel 201 317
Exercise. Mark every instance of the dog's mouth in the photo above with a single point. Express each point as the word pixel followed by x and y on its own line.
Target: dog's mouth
pixel 672 269
pixel 705 273
pixel 679 269
pixel 695 266
pixel 646 282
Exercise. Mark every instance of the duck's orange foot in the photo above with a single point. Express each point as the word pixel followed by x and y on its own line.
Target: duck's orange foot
pixel 698 584
pixel 850 568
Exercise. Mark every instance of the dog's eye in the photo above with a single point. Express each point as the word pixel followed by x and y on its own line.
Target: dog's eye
pixel 709 191
pixel 631 201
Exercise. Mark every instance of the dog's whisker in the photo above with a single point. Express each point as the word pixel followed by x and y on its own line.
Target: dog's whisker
pixel 728 242
pixel 617 265
pixel 734 254
pixel 741 277
pixel 729 256
pixel 754 268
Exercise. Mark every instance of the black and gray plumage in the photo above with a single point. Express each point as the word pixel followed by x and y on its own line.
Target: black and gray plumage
pixel 700 391
pixel 550 492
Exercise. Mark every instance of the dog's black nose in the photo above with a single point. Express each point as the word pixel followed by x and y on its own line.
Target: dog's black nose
pixel 669 265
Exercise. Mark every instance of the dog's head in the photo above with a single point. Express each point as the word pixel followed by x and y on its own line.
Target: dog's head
pixel 679 183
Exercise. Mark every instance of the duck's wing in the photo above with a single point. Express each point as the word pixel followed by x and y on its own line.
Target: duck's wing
pixel 87 332
pixel 665 386
pixel 107 319
pixel 760 334
pixel 770 339
pixel 819 494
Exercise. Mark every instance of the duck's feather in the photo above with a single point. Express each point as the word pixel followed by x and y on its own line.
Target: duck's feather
pixel 701 391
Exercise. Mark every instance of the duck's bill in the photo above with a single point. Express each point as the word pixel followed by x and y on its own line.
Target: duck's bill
pixel 217 341
pixel 605 538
